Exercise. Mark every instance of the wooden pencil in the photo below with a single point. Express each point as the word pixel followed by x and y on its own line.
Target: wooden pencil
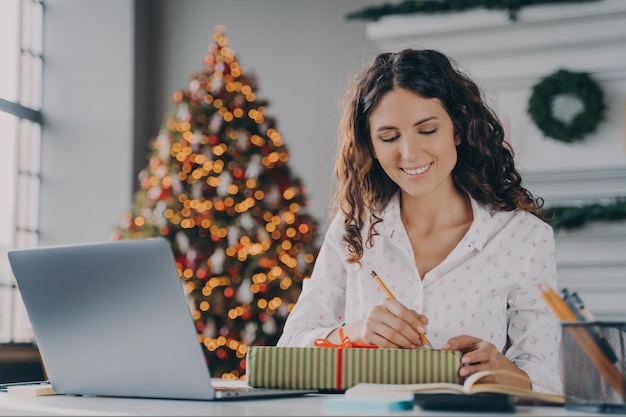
pixel 390 295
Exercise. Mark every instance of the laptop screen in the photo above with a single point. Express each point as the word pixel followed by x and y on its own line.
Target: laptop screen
pixel 112 318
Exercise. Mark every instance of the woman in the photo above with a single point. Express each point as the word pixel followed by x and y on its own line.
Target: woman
pixel 429 198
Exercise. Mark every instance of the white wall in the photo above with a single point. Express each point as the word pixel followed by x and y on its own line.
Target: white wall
pixel 88 119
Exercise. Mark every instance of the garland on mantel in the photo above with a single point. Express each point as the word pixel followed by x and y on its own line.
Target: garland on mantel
pixel 575 217
pixel 373 13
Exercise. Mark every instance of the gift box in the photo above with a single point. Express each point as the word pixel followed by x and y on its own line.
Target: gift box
pixel 341 368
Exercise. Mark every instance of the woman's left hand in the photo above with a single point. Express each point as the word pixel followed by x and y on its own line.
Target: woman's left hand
pixel 479 355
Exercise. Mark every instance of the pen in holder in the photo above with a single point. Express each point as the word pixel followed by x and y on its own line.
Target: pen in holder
pixel 594 360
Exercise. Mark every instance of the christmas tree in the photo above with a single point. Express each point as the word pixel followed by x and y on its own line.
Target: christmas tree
pixel 218 186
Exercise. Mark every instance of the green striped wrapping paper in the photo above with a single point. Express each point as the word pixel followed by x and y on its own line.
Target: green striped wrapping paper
pixel 342 368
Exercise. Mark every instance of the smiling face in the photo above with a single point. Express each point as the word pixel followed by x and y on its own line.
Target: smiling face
pixel 414 142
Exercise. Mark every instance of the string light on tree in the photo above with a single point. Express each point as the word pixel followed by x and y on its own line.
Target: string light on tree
pixel 218 186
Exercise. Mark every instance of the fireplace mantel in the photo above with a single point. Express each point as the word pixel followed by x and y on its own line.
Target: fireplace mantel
pixel 489 32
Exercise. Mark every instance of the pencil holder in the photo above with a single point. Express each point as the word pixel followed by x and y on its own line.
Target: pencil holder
pixel 594 361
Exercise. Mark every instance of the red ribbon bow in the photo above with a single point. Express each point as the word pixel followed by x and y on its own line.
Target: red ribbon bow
pixel 345 343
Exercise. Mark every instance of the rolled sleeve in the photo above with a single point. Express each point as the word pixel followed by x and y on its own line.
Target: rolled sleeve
pixel 534 330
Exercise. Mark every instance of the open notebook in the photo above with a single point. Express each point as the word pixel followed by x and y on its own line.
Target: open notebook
pixel 112 319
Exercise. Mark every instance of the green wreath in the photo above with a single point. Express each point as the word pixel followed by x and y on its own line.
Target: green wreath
pixel 577 84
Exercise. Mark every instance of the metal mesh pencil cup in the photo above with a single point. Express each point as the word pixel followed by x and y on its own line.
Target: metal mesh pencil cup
pixel 594 364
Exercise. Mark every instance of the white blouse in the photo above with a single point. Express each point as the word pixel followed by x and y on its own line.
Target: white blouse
pixel 487 287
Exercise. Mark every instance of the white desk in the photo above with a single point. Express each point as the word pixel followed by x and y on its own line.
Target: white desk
pixel 310 405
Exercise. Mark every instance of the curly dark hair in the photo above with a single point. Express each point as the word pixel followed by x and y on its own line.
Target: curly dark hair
pixel 485 167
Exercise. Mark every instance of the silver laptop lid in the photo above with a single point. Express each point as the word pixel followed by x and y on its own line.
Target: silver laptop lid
pixel 111 318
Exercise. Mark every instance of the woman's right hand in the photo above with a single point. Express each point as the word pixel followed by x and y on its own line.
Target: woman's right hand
pixel 388 325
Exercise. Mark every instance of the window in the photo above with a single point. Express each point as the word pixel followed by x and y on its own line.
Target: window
pixel 21 47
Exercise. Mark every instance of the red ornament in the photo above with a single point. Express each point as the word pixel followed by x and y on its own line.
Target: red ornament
pixel 163 194
pixel 238 173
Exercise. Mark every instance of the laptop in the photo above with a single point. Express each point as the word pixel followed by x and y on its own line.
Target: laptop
pixel 112 319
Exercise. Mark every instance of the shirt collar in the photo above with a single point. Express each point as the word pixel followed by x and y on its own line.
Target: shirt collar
pixel 475 238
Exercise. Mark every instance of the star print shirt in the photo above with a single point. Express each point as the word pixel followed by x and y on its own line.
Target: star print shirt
pixel 487 287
